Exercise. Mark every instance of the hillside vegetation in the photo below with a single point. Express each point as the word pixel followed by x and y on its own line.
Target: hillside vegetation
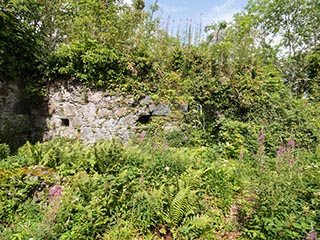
pixel 244 162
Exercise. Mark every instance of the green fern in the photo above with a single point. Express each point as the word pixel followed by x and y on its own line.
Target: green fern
pixel 181 205
pixel 196 226
pixel 171 206
pixel 199 222
pixel 192 177
pixel 30 152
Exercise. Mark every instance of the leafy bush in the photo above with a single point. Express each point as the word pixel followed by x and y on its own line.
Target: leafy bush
pixel 244 161
pixel 286 206
pixel 4 151
pixel 68 189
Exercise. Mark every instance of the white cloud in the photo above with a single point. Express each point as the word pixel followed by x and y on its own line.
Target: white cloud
pixel 128 1
pixel 222 12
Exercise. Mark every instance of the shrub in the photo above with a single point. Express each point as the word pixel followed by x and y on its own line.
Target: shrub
pixel 4 151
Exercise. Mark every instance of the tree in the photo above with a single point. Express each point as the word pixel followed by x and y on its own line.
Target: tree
pixel 216 31
pixel 139 4
pixel 296 25
pixel 30 31
pixel 23 46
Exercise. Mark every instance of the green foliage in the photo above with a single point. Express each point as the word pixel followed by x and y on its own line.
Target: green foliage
pixel 21 187
pixel 244 160
pixel 235 136
pixel 298 36
pixel 286 206
pixel 313 60
pixel 24 46
pixel 108 190
pixel 300 17
pixel 4 151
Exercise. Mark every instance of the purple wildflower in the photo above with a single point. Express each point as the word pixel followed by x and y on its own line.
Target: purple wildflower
pixel 261 138
pixel 312 235
pixel 142 179
pixel 291 162
pixel 155 146
pixel 55 192
pixel 281 151
pixel 141 138
pixel 291 143
pixel 166 147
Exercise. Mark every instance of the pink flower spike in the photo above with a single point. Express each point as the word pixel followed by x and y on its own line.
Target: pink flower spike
pixel 142 179
pixel 291 162
pixel 281 151
pixel 261 138
pixel 312 235
pixel 141 138
pixel 291 143
pixel 55 192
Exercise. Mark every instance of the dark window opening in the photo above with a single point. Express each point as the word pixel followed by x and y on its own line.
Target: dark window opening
pixel 145 119
pixel 65 122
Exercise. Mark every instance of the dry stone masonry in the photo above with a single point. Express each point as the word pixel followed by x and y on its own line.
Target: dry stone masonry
pixel 13 108
pixel 73 111
pixel 77 112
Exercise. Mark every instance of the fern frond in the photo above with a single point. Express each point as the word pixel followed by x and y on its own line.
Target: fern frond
pixel 181 205
pixel 192 178
pixel 199 222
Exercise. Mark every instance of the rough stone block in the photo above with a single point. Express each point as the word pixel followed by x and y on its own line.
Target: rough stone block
pixel 104 112
pixel 120 112
pixel 95 97
pixel 160 110
pixel 87 134
pixel 145 101
pixel 69 109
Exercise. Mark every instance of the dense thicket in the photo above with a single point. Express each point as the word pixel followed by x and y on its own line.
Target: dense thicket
pixel 152 189
pixel 245 160
pixel 108 43
pixel 255 69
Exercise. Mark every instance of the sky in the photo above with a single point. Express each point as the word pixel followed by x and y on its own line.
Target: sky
pixel 204 11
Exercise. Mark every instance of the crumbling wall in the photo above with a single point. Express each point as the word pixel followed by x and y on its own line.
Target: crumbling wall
pixel 74 111
pixel 92 115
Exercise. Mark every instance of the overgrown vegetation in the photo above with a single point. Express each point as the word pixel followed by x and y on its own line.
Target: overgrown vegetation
pixel 244 163
pixel 69 190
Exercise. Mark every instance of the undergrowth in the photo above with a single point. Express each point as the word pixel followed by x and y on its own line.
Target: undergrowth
pixel 66 189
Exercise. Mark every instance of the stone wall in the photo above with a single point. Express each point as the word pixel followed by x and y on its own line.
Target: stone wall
pixel 73 111
pixel 77 112
pixel 14 111
pixel 20 119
